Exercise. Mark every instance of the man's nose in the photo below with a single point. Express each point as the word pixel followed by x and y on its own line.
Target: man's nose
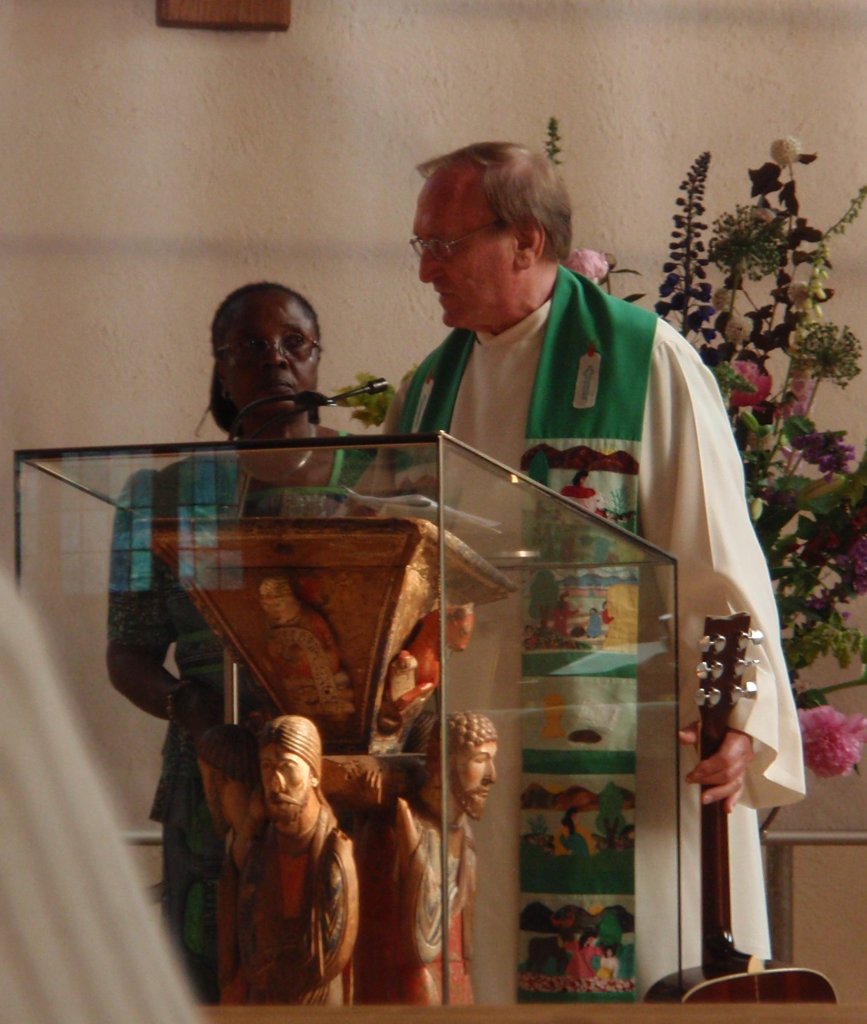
pixel 427 267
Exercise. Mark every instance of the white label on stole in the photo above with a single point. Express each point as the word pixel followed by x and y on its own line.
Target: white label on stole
pixel 423 399
pixel 587 382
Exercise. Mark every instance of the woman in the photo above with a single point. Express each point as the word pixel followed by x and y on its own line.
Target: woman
pixel 265 341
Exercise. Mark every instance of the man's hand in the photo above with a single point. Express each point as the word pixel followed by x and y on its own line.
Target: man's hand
pixel 724 772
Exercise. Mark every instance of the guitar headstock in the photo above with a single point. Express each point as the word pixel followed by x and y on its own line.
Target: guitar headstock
pixel 724 646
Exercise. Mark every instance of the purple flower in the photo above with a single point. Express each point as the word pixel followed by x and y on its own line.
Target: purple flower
pixel 820 602
pixel 853 566
pixel 588 262
pixel 826 450
pixel 832 740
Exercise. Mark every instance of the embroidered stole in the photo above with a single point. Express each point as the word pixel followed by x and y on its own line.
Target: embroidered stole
pixel 577 814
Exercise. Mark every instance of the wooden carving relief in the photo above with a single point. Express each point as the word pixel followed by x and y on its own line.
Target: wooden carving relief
pixel 318 610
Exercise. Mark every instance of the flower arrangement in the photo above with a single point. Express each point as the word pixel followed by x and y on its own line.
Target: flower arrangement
pixel 763 333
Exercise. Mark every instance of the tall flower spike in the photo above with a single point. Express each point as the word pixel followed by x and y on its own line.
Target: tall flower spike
pixel 685 291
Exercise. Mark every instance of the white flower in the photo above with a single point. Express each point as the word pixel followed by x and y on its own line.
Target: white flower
pixel 798 294
pixel 721 299
pixel 737 330
pixel 786 151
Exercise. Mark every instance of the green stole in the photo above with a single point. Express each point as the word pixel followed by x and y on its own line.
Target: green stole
pixel 583 320
pixel 580 863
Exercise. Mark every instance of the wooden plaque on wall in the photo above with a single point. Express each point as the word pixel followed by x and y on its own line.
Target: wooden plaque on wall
pixel 264 15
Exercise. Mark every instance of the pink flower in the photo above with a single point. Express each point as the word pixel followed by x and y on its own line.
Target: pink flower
pixel 832 740
pixel 802 388
pixel 760 380
pixel 588 262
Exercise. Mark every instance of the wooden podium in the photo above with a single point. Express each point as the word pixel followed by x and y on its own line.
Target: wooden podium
pixel 348 591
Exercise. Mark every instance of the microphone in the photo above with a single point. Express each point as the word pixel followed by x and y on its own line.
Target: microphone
pixel 304 401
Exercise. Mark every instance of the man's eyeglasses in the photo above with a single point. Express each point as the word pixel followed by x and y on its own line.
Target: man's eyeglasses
pixel 295 346
pixel 442 250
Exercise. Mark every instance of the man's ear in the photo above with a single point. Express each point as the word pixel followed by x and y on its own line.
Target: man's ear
pixel 529 243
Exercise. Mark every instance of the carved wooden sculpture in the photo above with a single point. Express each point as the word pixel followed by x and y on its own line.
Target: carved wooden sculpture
pixel 399 958
pixel 297 899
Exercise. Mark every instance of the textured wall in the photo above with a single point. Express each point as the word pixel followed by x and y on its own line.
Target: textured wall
pixel 144 172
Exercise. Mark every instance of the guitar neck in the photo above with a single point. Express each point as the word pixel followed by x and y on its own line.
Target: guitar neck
pixel 717 941
pixel 724 648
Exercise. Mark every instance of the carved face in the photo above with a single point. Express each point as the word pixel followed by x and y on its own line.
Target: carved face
pixel 211 785
pixel 288 783
pixel 227 799
pixel 471 775
pixel 279 602
pixel 459 626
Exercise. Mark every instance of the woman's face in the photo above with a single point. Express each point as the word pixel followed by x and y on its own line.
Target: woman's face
pixel 269 350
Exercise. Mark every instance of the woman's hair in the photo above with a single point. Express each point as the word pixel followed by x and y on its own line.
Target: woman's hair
pixel 223 408
pixel 520 186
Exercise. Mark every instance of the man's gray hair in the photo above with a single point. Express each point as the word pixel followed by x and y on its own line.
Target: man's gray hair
pixel 520 186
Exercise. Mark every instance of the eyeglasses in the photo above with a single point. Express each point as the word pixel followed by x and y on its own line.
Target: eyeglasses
pixel 295 346
pixel 442 250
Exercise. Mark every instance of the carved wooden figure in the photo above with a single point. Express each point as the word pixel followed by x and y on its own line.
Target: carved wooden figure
pixel 297 906
pixel 399 957
pixel 414 672
pixel 229 764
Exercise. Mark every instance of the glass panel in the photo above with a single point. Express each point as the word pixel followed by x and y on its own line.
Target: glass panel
pixel 425 607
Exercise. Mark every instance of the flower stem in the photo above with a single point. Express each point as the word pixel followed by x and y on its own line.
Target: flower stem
pixel 860 681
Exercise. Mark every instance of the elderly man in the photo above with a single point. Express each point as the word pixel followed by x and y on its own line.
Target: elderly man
pixel 578 368
pixel 298 899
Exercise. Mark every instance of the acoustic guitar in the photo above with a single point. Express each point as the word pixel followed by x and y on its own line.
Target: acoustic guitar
pixel 727 975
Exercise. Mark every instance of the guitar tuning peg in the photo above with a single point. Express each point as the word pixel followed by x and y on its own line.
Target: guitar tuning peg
pixel 710 697
pixel 742 664
pixel 712 671
pixel 748 691
pixel 715 643
pixel 754 636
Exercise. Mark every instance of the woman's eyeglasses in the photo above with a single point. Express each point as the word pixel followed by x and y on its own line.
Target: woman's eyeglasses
pixel 295 346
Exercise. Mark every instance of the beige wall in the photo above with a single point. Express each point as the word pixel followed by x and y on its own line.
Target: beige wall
pixel 144 172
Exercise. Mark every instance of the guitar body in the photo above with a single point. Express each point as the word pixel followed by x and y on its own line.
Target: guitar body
pixel 770 983
pixel 728 975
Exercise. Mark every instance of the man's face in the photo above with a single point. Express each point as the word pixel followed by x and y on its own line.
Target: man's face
pixel 476 283
pixel 287 782
pixel 472 775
